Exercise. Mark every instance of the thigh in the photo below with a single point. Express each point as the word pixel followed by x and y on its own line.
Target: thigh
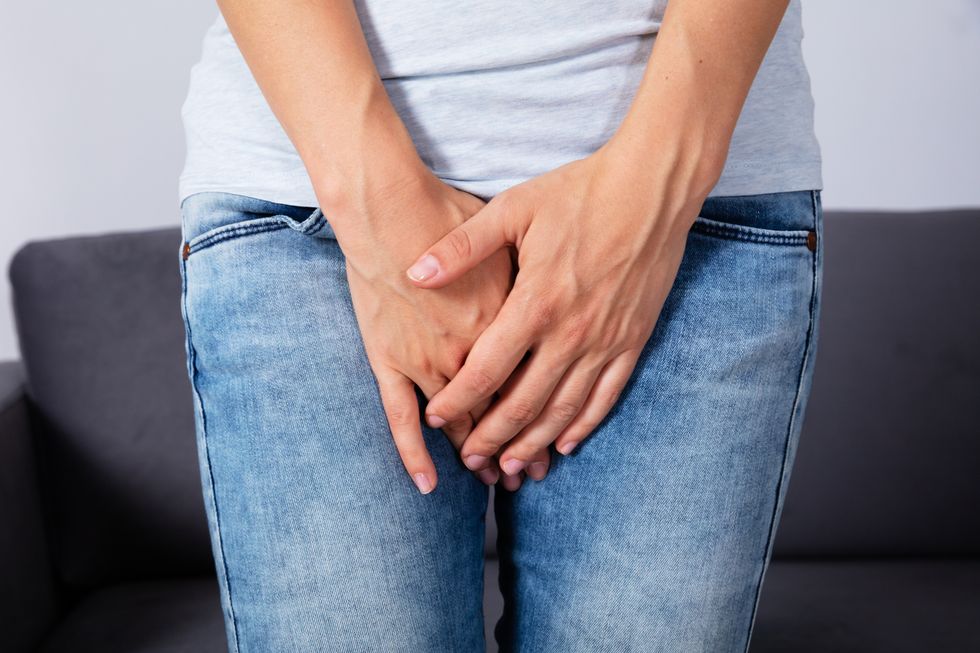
pixel 654 535
pixel 320 539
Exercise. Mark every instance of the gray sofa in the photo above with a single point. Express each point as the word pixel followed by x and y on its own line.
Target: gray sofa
pixel 103 539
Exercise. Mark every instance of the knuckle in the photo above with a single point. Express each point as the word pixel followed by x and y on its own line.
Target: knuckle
pixel 520 412
pixel 565 411
pixel 398 414
pixel 481 382
pixel 575 333
pixel 608 340
pixel 459 244
pixel 609 397
pixel 542 314
pixel 427 368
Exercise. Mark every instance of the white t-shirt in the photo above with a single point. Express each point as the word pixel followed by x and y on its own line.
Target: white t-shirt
pixel 494 92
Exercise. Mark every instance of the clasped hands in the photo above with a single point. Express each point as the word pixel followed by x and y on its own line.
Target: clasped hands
pixel 524 322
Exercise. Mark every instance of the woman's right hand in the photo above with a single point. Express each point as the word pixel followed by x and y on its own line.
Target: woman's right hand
pixel 414 336
pixel 317 74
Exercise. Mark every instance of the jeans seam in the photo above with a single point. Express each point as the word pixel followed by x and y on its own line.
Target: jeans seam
pixel 807 346
pixel 736 232
pixel 233 233
pixel 274 223
pixel 192 365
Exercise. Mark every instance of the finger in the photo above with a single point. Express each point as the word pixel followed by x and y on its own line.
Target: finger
pixel 605 393
pixel 467 245
pixel 492 359
pixel 565 403
pixel 456 432
pixel 480 409
pixel 520 403
pixel 512 483
pixel 538 465
pixel 491 473
pixel 402 411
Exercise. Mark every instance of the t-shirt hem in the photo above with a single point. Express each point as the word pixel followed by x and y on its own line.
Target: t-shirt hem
pixel 746 178
pixel 304 197
pixel 757 178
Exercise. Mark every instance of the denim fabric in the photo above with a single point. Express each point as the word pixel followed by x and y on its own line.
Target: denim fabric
pixel 653 536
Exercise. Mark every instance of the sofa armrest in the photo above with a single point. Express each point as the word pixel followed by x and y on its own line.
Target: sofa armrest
pixel 29 600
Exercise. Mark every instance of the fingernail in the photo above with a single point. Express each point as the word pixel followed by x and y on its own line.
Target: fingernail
pixel 475 462
pixel 425 268
pixel 537 470
pixel 489 476
pixel 567 448
pixel 423 483
pixel 512 466
pixel 435 421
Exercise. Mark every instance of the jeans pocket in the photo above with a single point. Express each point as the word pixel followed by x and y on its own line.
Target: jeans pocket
pixel 789 218
pixel 209 219
pixel 765 236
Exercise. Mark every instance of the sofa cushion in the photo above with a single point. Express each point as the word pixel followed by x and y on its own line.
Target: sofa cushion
pixel 28 592
pixel 869 606
pixel 889 458
pixel 101 336
pixel 172 616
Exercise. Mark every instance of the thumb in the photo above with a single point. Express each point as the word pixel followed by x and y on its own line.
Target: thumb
pixel 462 249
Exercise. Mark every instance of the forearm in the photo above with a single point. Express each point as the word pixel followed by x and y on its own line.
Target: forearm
pixel 697 78
pixel 313 66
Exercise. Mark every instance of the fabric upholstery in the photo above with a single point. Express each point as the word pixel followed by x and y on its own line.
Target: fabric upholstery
pixel 887 466
pixel 28 595
pixel 171 616
pixel 889 457
pixel 102 342
pixel 865 606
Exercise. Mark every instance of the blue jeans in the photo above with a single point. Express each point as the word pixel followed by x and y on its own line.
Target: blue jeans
pixel 653 536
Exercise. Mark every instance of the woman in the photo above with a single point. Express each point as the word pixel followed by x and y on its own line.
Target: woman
pixel 579 258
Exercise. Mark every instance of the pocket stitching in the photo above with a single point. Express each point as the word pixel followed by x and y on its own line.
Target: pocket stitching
pixel 709 227
pixel 308 226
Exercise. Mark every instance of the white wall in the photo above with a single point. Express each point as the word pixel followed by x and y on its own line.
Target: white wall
pixel 897 90
pixel 90 133
pixel 90 136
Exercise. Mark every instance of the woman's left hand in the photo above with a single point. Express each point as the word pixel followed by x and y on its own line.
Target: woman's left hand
pixel 599 242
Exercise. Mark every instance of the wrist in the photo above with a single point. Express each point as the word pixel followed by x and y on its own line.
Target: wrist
pixel 667 176
pixel 689 155
pixel 366 152
pixel 381 235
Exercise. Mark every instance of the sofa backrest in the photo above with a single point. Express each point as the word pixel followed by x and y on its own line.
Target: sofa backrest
pixel 101 337
pixel 889 457
pixel 888 463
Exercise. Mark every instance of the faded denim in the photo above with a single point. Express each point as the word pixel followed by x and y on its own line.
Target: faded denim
pixel 652 536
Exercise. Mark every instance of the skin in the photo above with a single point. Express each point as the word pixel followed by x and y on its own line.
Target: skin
pixel 460 325
pixel 612 227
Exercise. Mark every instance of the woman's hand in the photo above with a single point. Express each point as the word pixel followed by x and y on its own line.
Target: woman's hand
pixel 600 241
pixel 317 74
pixel 623 211
pixel 412 336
